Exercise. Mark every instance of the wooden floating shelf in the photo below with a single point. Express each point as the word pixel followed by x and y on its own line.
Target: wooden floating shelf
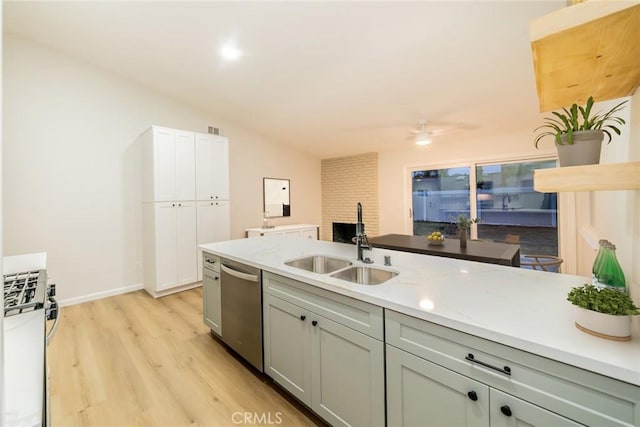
pixel 610 176
pixel 588 49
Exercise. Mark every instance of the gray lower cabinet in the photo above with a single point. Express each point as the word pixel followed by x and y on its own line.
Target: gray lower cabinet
pixel 418 390
pixel 443 377
pixel 421 393
pixel 287 346
pixel 335 370
pixel 509 411
pixel 347 375
pixel 211 310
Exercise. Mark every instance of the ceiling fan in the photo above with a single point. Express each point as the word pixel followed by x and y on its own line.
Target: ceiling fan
pixel 423 134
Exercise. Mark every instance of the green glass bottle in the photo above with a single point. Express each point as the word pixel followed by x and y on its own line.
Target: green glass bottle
pixel 609 273
pixel 597 262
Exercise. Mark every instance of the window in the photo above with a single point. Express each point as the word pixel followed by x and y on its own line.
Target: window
pixel 439 196
pixel 503 198
pixel 511 211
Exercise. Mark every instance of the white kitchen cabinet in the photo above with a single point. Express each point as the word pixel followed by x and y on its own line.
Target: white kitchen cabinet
pixel 212 313
pixel 299 231
pixel 212 167
pixel 334 369
pixel 169 246
pixel 168 165
pixel 524 389
pixel 179 169
pixel 213 220
pixel 418 390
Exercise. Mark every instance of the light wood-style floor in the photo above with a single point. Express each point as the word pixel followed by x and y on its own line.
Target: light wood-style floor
pixel 130 360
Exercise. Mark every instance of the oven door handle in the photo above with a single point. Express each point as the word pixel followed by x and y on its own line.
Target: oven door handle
pixel 239 274
pixel 54 308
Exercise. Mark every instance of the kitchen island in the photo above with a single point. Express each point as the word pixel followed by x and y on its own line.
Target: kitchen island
pixel 491 307
pixel 476 250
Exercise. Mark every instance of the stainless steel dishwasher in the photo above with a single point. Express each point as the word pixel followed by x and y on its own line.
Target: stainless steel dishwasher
pixel 241 298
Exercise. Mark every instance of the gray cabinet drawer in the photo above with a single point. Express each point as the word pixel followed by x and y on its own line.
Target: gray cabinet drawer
pixel 211 262
pixel 583 396
pixel 358 315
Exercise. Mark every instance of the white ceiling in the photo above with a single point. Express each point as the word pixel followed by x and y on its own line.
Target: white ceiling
pixel 331 78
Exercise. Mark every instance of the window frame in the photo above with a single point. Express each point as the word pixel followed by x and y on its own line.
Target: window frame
pixel 472 165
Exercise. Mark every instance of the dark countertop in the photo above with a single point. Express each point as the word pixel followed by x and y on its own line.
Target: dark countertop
pixel 477 250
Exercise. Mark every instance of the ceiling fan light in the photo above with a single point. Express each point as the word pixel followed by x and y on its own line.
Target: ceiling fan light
pixel 423 139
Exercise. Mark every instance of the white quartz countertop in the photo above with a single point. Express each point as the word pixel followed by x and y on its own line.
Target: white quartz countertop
pixel 521 308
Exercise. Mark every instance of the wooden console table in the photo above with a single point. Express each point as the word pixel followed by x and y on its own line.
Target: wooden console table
pixel 477 250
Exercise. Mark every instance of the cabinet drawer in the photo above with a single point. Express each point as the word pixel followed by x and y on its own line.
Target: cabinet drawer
pixel 358 315
pixel 211 262
pixel 580 395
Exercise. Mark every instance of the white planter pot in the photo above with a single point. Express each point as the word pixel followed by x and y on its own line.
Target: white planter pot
pixel 603 325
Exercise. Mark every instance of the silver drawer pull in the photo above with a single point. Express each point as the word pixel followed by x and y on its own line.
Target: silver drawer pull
pixel 471 358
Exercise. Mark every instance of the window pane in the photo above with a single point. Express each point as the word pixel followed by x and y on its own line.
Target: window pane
pixel 439 195
pixel 511 210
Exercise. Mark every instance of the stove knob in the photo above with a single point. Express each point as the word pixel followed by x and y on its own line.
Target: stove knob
pixel 52 312
pixel 51 290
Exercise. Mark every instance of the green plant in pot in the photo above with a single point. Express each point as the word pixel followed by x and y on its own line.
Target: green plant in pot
pixel 463 223
pixel 578 132
pixel 603 312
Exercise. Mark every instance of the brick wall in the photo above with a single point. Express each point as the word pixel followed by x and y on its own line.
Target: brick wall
pixel 345 182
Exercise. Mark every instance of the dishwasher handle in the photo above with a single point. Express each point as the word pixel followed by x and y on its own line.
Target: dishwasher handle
pixel 239 274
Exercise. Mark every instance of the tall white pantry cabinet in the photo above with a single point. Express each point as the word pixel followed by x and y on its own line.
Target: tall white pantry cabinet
pixel 185 203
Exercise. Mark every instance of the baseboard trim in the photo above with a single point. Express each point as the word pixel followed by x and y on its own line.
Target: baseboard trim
pixel 99 295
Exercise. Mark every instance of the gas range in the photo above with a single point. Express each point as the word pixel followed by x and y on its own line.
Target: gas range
pixel 28 303
pixel 24 291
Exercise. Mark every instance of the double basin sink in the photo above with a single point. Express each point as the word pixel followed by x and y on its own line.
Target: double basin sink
pixel 342 269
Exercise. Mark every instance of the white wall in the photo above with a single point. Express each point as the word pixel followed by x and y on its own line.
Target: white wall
pixel 1 296
pixel 72 170
pixel 614 215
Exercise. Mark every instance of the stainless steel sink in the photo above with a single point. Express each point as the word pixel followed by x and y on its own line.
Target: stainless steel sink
pixel 319 264
pixel 364 275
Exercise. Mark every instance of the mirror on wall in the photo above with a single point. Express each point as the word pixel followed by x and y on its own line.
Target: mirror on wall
pixel 276 197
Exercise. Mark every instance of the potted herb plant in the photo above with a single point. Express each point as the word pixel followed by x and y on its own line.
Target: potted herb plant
pixel 463 223
pixel 604 312
pixel 578 133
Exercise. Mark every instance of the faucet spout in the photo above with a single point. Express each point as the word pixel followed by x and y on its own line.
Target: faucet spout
pixel 362 243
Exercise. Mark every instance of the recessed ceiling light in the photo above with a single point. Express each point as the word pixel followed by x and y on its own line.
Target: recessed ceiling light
pixel 230 52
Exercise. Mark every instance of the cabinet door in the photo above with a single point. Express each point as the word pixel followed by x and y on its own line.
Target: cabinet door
pixel 211 300
pixel 164 165
pixel 166 259
pixel 310 233
pixel 296 234
pixel 212 167
pixel 347 374
pixel 185 165
pixel 186 243
pixel 287 347
pixel 422 393
pixel 509 411
pixel 221 168
pixel 213 225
